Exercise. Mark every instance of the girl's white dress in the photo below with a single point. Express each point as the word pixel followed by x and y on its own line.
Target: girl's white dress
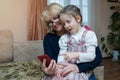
pixel 70 44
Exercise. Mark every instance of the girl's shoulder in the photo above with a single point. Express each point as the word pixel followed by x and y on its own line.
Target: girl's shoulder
pixel 88 30
pixel 65 36
pixel 87 27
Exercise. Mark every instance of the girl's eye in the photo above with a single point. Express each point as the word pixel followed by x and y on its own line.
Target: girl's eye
pixel 67 21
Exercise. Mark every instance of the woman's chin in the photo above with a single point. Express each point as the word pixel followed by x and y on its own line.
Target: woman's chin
pixel 58 30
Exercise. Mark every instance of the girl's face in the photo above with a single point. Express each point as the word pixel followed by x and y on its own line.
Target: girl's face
pixel 71 24
pixel 55 24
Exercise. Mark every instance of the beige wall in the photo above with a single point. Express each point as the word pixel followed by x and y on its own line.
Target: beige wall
pixel 13 16
pixel 103 19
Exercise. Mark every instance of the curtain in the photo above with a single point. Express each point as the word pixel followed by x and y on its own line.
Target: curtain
pixel 94 13
pixel 82 4
pixel 36 29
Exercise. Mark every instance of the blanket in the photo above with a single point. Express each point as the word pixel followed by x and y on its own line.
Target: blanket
pixel 27 70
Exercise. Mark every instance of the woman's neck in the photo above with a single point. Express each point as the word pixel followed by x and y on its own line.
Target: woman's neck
pixel 60 33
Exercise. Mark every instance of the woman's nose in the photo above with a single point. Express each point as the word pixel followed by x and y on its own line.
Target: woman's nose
pixel 54 23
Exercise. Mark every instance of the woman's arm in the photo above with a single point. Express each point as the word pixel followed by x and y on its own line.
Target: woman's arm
pixel 47 46
pixel 83 67
pixel 50 70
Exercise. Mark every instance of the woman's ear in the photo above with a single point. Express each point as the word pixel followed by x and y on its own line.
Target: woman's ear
pixel 78 18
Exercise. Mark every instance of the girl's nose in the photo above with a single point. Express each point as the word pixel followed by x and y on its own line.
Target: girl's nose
pixel 66 25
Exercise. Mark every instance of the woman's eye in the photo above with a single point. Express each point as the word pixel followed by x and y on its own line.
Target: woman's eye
pixel 57 17
pixel 50 24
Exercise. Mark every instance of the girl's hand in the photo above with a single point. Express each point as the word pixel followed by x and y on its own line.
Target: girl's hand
pixel 50 70
pixel 70 55
pixel 69 67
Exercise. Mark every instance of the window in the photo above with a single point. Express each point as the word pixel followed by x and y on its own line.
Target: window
pixel 82 4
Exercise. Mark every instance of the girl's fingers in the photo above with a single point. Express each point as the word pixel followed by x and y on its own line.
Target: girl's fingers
pixel 64 64
pixel 62 54
pixel 65 56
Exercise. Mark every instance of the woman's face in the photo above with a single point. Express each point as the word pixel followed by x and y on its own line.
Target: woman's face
pixel 55 23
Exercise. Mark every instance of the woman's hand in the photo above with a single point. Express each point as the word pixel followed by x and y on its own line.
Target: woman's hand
pixel 68 67
pixel 50 70
pixel 59 69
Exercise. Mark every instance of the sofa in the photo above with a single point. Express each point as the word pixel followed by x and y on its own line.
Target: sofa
pixel 24 54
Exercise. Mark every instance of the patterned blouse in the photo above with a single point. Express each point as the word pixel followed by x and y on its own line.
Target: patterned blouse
pixel 84 42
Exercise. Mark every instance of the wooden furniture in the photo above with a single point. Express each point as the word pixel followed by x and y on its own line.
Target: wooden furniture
pixel 111 69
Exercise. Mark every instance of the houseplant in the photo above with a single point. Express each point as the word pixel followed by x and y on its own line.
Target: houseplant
pixel 113 37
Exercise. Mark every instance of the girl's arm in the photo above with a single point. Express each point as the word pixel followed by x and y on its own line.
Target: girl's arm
pixel 63 48
pixel 83 67
pixel 90 45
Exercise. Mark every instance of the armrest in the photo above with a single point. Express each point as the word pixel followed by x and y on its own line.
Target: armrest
pixel 99 72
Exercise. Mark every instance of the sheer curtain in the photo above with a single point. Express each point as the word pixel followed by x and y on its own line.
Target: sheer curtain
pixel 87 7
pixel 36 30
pixel 94 13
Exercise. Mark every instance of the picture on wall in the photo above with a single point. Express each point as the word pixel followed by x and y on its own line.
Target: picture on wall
pixel 112 0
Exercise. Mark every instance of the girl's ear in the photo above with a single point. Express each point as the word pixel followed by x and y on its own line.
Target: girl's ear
pixel 78 18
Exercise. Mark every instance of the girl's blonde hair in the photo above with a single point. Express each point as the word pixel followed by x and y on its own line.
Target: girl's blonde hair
pixel 50 12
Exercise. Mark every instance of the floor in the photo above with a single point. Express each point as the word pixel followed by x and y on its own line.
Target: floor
pixel 111 69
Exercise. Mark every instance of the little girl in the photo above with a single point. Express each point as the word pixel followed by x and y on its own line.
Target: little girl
pixel 78 45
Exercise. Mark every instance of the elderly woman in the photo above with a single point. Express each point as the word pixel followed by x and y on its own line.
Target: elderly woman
pixel 50 17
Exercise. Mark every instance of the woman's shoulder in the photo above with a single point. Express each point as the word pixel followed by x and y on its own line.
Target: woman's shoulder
pixel 51 35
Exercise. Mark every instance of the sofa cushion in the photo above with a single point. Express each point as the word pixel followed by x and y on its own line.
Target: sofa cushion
pixel 25 51
pixel 99 72
pixel 6 46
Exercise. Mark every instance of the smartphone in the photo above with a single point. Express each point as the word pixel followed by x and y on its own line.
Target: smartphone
pixel 45 56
